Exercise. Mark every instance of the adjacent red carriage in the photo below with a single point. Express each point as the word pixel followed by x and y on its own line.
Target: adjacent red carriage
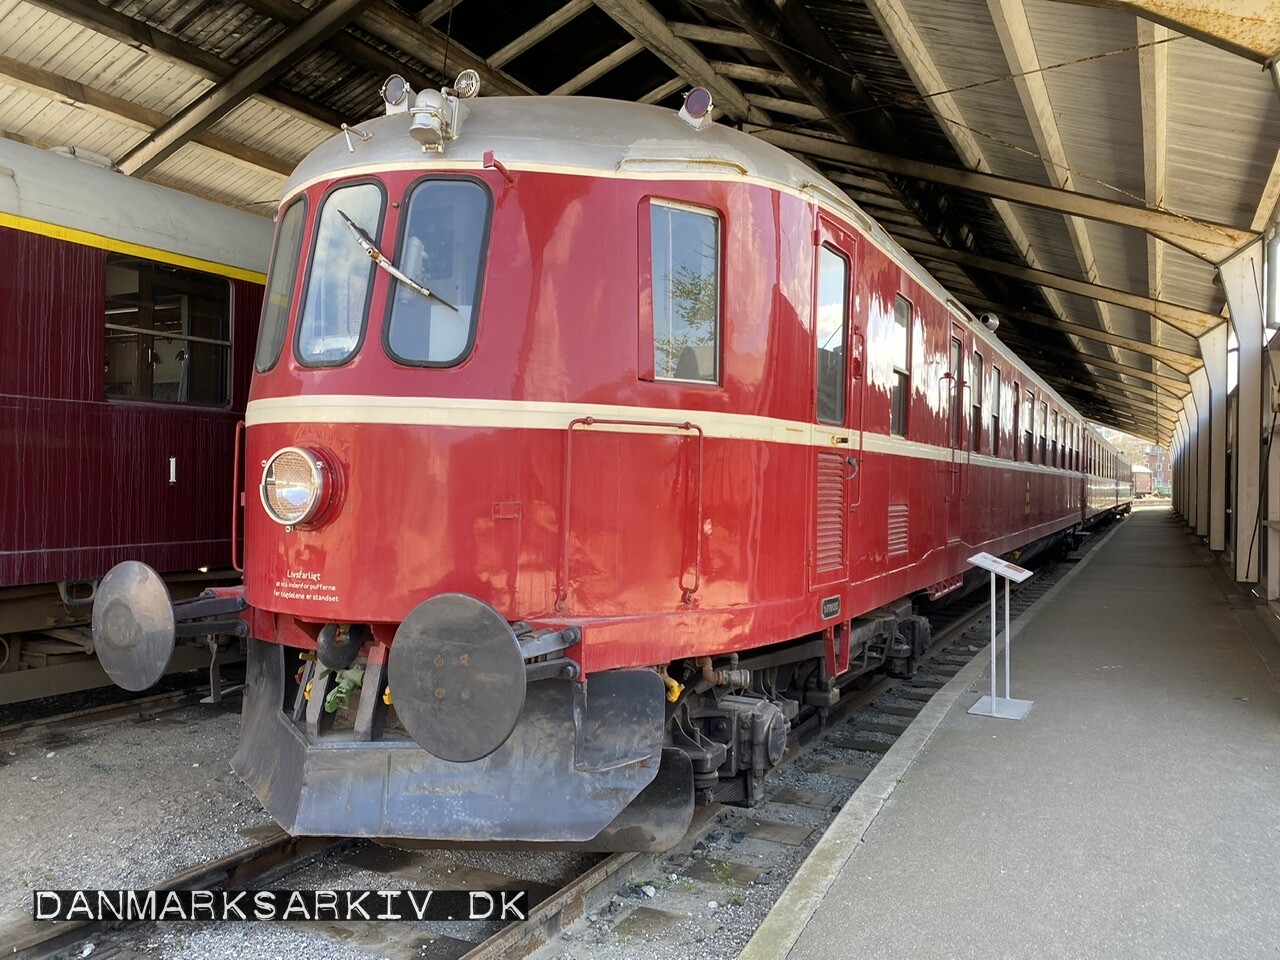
pixel 128 313
pixel 589 446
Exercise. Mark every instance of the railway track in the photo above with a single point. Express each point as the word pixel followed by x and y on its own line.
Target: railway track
pixel 805 795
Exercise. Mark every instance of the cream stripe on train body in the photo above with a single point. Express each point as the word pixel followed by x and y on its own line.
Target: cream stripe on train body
pixel 542 415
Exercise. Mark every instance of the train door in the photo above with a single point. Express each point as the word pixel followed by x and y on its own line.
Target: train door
pixel 956 440
pixel 836 365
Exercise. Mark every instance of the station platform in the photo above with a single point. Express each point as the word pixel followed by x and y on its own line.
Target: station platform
pixel 1135 811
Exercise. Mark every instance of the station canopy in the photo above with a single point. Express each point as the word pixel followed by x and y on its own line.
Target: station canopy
pixel 1079 167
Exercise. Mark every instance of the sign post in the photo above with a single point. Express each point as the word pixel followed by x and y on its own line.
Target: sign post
pixel 1005 708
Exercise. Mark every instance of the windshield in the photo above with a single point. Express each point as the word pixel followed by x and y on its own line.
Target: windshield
pixel 444 240
pixel 337 295
pixel 275 305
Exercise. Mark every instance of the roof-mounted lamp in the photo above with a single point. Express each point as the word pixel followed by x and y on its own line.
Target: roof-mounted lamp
pixel 697 107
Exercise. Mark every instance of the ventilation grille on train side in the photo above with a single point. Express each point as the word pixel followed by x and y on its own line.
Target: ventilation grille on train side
pixel 897 529
pixel 829 547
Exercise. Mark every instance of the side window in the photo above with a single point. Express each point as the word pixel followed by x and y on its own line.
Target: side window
pixel 1053 442
pixel 167 333
pixel 442 247
pixel 995 411
pixel 900 350
pixel 830 326
pixel 280 283
pixel 686 293
pixel 1028 426
pixel 1044 432
pixel 341 276
pixel 975 396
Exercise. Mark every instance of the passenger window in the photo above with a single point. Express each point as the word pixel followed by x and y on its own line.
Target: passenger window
pixel 995 411
pixel 686 293
pixel 442 248
pixel 975 437
pixel 831 324
pixel 1028 426
pixel 900 351
pixel 341 276
pixel 280 284
pixel 167 333
pixel 1044 432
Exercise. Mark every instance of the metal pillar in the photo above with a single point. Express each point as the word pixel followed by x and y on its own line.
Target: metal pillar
pixel 1175 465
pixel 1242 280
pixel 1187 499
pixel 1213 348
pixel 1201 424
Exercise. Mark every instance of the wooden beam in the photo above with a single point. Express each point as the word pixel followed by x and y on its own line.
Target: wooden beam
pixel 647 25
pixel 1246 28
pixel 535 35
pixel 131 114
pixel 1187 319
pixel 598 69
pixel 754 74
pixel 135 33
pixel 1176 385
pixel 393 26
pixel 726 38
pixel 1184 362
pixel 214 104
pixel 1209 241
pixel 791 108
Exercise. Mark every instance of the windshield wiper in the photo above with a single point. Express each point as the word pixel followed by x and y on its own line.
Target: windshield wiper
pixel 377 256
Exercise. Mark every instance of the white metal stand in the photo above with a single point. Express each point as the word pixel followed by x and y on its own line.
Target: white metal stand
pixel 1006 707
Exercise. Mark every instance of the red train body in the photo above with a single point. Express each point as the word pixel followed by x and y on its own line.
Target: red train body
pixel 109 458
pixel 646 452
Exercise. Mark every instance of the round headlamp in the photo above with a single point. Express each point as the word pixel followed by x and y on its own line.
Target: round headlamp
pixel 293 486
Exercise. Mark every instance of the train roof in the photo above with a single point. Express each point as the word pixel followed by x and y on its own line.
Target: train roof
pixel 46 192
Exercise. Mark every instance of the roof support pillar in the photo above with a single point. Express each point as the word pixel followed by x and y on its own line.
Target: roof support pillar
pixel 1213 348
pixel 1242 281
pixel 1181 483
pixel 1203 430
pixel 1175 461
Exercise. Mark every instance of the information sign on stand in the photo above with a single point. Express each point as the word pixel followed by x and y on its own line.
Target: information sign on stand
pixel 1006 708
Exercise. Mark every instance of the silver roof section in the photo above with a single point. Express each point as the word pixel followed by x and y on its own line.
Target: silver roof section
pixel 51 188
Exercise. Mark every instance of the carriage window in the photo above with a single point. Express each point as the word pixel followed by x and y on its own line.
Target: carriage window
pixel 168 333
pixel 975 396
pixel 1028 426
pixel 1044 432
pixel 341 275
pixel 280 283
pixel 686 293
pixel 441 251
pixel 900 350
pixel 995 411
pixel 830 325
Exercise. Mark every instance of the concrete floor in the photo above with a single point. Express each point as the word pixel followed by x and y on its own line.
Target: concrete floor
pixel 1134 813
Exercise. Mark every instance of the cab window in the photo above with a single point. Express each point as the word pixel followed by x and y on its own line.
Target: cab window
pixel 340 280
pixel 280 284
pixel 442 248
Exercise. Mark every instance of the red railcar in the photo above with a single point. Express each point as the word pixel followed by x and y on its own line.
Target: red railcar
pixel 128 313
pixel 589 447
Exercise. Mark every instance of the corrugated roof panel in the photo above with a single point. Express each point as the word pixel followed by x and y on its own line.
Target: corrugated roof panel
pixel 1097 103
pixel 198 170
pixel 265 127
pixel 52 123
pixel 1224 132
